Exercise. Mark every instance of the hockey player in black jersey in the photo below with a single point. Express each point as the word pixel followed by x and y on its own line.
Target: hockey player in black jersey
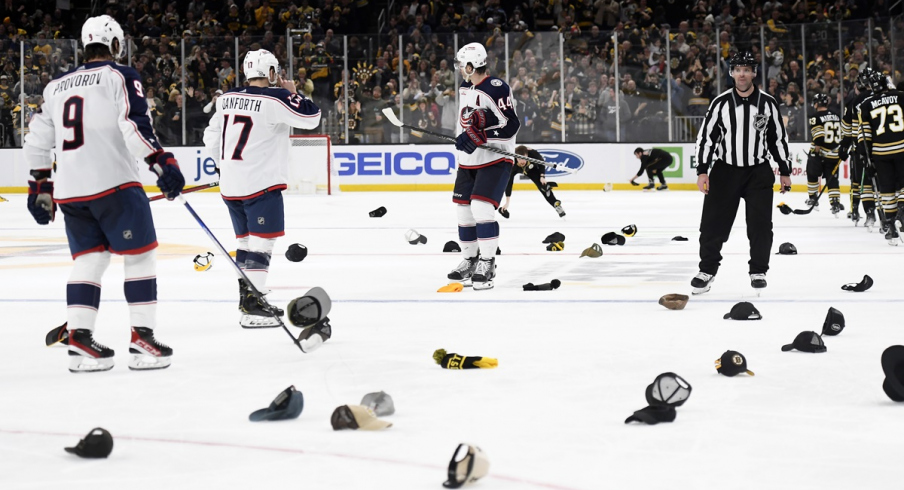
pixel 825 137
pixel 861 189
pixel 881 133
pixel 653 162
pixel 537 174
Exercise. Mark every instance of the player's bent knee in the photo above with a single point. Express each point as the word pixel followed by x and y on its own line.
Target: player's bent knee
pixel 90 267
pixel 465 215
pixel 141 265
pixel 483 211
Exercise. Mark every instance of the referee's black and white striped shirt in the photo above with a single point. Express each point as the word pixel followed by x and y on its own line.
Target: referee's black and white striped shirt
pixel 743 131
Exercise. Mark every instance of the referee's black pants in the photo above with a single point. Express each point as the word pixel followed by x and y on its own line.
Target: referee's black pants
pixel 727 185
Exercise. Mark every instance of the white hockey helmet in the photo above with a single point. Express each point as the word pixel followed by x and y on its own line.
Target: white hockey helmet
pixel 257 64
pixel 103 29
pixel 473 54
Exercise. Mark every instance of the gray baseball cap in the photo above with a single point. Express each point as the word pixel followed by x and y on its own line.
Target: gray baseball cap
pixel 287 405
pixel 380 403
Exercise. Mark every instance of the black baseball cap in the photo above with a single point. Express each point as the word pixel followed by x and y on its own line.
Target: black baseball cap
pixel 555 237
pixel 743 311
pixel 787 249
pixel 653 415
pixel 377 213
pixel 97 444
pixel 732 363
pixel 834 323
pixel 629 230
pixel 296 252
pixel 863 285
pixel 893 366
pixel 668 390
pixel 612 238
pixel 806 342
pixel 451 246
pixel 287 405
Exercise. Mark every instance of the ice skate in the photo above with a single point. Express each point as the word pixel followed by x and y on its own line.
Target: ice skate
pixel 649 187
pixel 484 274
pixel 663 187
pixel 146 352
pixel 702 282
pixel 558 206
pixel 86 355
pixel 870 221
pixel 758 282
pixel 836 208
pixel 854 215
pixel 464 271
pixel 892 236
pixel 257 313
pixel 812 201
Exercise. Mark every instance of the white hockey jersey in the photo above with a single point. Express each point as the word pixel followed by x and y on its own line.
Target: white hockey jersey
pixel 96 118
pixel 495 96
pixel 248 137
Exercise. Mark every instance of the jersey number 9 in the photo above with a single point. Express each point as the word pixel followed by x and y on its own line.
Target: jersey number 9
pixel 73 111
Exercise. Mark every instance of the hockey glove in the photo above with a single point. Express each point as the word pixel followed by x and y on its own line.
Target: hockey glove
pixel 504 212
pixel 843 153
pixel 470 139
pixel 40 201
pixel 166 167
pixel 554 284
pixel 481 119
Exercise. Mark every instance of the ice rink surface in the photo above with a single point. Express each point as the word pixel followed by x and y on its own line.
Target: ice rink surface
pixel 573 363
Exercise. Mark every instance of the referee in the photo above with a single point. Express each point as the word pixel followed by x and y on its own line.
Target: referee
pixel 741 131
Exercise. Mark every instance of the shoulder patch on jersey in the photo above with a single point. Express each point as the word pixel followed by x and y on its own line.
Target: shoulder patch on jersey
pixel 496 83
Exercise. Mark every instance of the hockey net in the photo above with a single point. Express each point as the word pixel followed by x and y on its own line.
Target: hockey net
pixel 311 169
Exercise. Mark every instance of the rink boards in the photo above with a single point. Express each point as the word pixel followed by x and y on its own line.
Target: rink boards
pixel 432 167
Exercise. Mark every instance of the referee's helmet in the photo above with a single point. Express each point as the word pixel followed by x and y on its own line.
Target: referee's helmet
pixel 743 58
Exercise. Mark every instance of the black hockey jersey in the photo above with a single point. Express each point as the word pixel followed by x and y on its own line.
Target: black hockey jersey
pixel 882 124
pixel 825 134
pixel 850 125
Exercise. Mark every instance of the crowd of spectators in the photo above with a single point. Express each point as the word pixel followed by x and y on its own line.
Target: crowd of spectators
pixel 621 63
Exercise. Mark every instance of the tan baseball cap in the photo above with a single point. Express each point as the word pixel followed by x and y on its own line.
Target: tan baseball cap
pixel 357 417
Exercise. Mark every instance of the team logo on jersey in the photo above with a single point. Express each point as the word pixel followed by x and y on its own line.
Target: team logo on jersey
pixel 570 160
pixel 127 234
pixel 760 121
pixel 496 83
pixel 465 117
pixel 261 220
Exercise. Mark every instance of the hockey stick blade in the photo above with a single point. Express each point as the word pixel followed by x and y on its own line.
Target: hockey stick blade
pixel 392 117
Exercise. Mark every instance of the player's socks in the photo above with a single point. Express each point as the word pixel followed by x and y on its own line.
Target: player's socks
pixel 87 355
pixel 146 352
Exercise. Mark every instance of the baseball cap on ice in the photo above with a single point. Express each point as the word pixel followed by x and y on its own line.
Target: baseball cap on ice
pixel 668 390
pixel 806 342
pixel 743 311
pixel 787 249
pixel 653 415
pixel 377 213
pixel 356 417
pixel 381 403
pixel 834 323
pixel 732 363
pixel 451 246
pixel 287 405
pixel 554 237
pixel 893 367
pixel 612 238
pixel 97 444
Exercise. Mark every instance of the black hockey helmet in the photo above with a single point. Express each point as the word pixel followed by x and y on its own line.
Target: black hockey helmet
pixel 863 78
pixel 877 82
pixel 821 100
pixel 743 58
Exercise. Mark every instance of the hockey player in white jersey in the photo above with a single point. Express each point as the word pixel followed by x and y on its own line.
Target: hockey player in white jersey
pixel 248 137
pixel 486 118
pixel 95 118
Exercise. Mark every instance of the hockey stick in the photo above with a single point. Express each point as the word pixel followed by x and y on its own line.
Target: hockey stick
pixel 187 191
pixel 396 122
pixel 785 209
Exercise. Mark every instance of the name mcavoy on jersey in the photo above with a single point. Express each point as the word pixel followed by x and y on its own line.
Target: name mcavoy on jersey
pixel 78 81
pixel 891 99
pixel 240 104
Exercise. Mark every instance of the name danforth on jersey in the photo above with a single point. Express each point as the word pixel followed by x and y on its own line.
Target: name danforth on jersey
pixel 561 157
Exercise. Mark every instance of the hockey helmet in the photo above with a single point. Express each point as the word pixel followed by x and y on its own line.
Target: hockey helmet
pixel 743 58
pixel 103 29
pixel 877 82
pixel 863 78
pixel 473 54
pixel 821 100
pixel 257 64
